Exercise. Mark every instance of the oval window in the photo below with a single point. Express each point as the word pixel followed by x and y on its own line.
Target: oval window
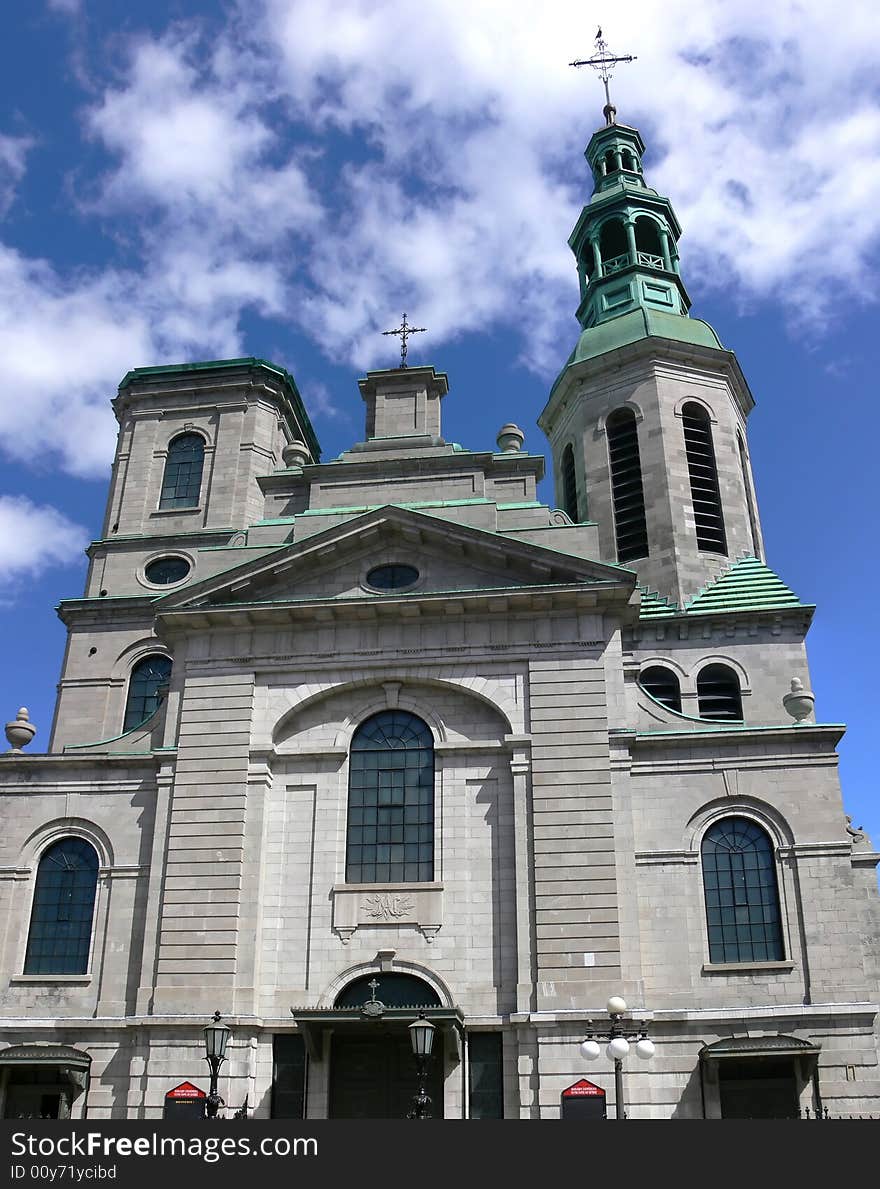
pixel 165 570
pixel 393 577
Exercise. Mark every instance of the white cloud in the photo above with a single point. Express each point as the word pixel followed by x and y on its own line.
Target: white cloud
pixel 34 537
pixel 191 142
pixel 331 173
pixel 762 127
pixel 13 153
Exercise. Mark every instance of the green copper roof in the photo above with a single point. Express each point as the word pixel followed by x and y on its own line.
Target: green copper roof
pixel 176 369
pixel 654 604
pixel 746 585
pixel 639 324
pixel 749 585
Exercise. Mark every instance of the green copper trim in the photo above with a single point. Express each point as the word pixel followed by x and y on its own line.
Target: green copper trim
pixel 205 365
pixel 237 548
pixel 196 532
pixel 655 604
pixel 342 600
pixel 116 738
pixel 720 728
pixel 357 509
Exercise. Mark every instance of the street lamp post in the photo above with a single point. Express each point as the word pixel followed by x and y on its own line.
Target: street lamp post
pixel 618 1046
pixel 421 1035
pixel 216 1039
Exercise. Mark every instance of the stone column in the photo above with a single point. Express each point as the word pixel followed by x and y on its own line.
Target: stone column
pixel 520 768
pixel 631 240
pixel 664 247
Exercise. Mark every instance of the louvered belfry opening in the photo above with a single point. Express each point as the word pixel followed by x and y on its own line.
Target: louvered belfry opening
pixel 718 694
pixel 705 495
pixel 630 525
pixel 569 485
pixel 662 684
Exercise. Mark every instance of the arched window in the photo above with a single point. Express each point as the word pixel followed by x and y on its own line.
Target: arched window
pixel 718 693
pixel 742 897
pixel 750 503
pixel 648 242
pixel 146 689
pixel 182 481
pixel 610 162
pixel 661 683
pixel 628 160
pixel 61 917
pixel 613 246
pixel 391 801
pixel 569 485
pixel 393 989
pixel 706 498
pixel 630 525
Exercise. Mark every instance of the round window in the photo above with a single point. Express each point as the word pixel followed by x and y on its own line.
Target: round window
pixel 165 570
pixel 392 577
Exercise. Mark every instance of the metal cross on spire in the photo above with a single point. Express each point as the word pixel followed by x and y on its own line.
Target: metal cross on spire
pixel 604 62
pixel 404 331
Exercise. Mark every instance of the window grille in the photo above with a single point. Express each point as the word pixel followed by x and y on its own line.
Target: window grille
pixel 391 801
pixel 708 518
pixel 569 485
pixel 61 917
pixel 742 897
pixel 661 683
pixel 750 503
pixel 718 693
pixel 630 524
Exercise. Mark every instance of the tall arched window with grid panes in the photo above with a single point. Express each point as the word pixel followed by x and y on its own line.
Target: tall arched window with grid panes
pixel 61 916
pixel 182 480
pixel 390 837
pixel 742 896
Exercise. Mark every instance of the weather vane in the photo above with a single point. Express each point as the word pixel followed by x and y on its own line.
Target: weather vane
pixel 604 61
pixel 404 331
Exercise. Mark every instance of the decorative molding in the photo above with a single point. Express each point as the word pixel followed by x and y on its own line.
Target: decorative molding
pixel 657 858
pixel 370 906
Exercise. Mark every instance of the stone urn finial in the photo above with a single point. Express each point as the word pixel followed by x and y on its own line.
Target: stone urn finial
pixel 510 438
pixel 20 731
pixel 798 703
pixel 295 454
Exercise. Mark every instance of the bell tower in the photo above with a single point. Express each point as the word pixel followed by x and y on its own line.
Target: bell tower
pixel 647 419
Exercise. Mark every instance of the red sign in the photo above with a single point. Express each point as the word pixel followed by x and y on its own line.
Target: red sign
pixel 583 1089
pixel 186 1090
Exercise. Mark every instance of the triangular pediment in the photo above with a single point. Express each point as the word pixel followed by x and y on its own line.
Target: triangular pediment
pixel 450 558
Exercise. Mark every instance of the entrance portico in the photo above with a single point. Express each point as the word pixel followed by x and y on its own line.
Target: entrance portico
pixel 360 1057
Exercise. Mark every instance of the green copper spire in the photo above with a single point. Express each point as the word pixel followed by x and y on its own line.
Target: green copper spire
pixel 626 240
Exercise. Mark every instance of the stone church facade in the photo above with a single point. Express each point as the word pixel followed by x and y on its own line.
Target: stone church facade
pixel 337 742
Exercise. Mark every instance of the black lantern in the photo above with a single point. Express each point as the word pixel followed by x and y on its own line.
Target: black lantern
pixel 216 1039
pixel 421 1035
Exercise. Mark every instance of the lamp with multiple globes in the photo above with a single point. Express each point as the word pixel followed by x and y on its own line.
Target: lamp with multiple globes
pixel 618 1047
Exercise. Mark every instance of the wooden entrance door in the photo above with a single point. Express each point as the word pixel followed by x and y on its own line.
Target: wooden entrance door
pixel 374 1077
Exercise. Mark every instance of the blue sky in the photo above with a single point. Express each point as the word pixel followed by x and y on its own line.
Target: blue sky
pixel 200 180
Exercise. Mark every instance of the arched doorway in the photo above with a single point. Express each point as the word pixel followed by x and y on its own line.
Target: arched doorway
pixel 372 1069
